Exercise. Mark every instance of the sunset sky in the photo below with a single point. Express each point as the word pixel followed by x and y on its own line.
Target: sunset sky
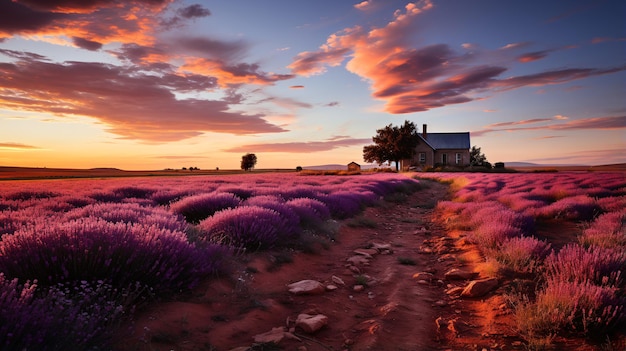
pixel 153 84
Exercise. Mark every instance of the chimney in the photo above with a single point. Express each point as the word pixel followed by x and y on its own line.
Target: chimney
pixel 424 134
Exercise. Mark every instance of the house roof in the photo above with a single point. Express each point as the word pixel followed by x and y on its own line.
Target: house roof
pixel 439 141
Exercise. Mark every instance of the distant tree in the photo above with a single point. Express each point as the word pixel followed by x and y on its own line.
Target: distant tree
pixel 299 169
pixel 392 143
pixel 184 168
pixel 477 158
pixel 248 161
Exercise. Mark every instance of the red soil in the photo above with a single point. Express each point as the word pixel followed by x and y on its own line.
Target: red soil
pixel 394 312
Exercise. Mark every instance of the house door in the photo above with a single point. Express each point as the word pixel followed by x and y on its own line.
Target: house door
pixel 444 159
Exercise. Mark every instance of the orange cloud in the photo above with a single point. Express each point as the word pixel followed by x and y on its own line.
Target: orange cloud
pixel 17 146
pixel 301 147
pixel 412 79
pixel 131 103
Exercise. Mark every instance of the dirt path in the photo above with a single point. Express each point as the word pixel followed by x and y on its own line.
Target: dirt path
pixel 394 311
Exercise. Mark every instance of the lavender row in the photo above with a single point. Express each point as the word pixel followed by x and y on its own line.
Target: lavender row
pixel 86 252
pixel 582 282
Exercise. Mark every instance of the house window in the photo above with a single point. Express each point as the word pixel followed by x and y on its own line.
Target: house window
pixel 444 159
pixel 458 158
pixel 422 156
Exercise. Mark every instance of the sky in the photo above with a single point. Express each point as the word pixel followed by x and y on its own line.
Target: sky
pixel 154 84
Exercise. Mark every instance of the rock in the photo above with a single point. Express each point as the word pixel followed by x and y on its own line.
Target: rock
pixel 331 287
pixel 358 288
pixel 441 303
pixel 381 247
pixel 354 269
pixel 306 287
pixel 455 291
pixel 457 274
pixel 311 323
pixel 358 260
pixel 477 288
pixel 276 335
pixel 337 280
pixel 423 276
pixel 366 252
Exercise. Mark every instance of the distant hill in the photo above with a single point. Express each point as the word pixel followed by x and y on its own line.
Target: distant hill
pixel 530 164
pixel 336 166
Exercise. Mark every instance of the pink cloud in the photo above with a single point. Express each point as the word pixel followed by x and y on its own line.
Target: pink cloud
pixel 602 123
pixel 131 103
pixel 301 147
pixel 410 79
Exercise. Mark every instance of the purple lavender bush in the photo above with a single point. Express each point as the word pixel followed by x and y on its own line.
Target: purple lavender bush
pixel 310 211
pixel 250 227
pixel 63 317
pixel 198 207
pixel 93 249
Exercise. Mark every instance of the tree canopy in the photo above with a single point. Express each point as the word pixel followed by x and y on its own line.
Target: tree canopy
pixel 392 143
pixel 248 161
pixel 477 158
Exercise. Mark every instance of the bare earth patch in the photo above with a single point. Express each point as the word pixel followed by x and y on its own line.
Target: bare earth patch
pixel 385 289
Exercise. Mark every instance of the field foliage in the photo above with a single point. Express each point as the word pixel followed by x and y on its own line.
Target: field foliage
pixel 78 255
pixel 580 277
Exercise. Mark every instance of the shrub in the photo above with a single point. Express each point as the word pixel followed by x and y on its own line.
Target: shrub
pixel 310 211
pixel 608 231
pixel 576 306
pixel 198 207
pixel 522 254
pixel 491 234
pixel 131 213
pixel 342 204
pixel 251 227
pixel 276 203
pixel 574 263
pixel 77 317
pixel 92 249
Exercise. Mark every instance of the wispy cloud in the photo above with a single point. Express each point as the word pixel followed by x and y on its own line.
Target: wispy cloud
pixel 603 123
pixel 301 147
pixel 17 146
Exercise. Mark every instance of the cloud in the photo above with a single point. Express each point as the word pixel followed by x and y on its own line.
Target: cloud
pixel 17 146
pixel 131 103
pixel 301 147
pixel 87 44
pixel 194 11
pixel 297 87
pixel 602 123
pixel 363 5
pixel 532 56
pixel 414 79
pixel 517 123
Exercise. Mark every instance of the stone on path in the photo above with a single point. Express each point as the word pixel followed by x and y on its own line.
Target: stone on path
pixel 478 288
pixel 311 323
pixel 306 287
pixel 276 335
pixel 458 274
pixel 337 280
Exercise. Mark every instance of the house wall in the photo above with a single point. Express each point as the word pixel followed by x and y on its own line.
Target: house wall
pixel 435 157
pixel 465 158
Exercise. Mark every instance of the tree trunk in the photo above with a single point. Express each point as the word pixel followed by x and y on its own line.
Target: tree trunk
pixel 396 165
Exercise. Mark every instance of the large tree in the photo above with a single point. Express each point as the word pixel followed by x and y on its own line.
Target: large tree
pixel 392 143
pixel 248 161
pixel 477 158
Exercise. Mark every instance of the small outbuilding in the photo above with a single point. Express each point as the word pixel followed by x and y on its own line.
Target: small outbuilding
pixel 354 167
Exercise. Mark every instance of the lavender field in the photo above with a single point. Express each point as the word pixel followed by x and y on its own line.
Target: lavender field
pixel 78 256
pixel 565 233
